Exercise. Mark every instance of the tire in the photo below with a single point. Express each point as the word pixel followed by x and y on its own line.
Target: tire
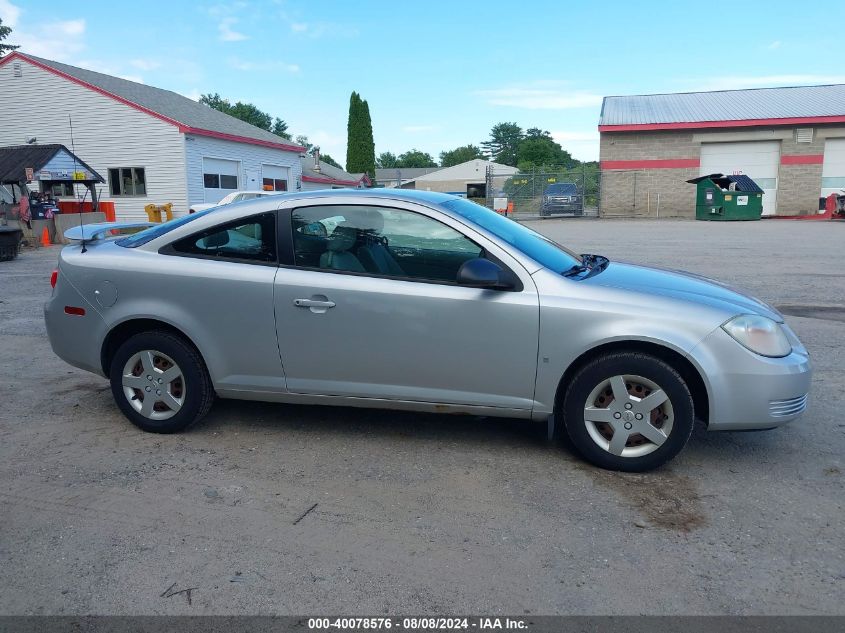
pixel 593 414
pixel 170 372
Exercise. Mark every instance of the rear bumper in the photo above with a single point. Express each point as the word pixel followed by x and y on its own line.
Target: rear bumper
pixel 75 339
pixel 748 391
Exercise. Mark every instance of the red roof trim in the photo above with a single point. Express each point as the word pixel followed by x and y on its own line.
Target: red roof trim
pixel 330 181
pixel 239 139
pixel 805 159
pixel 182 128
pixel 638 127
pixel 660 163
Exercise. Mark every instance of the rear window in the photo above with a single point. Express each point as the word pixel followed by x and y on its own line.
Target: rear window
pixel 148 235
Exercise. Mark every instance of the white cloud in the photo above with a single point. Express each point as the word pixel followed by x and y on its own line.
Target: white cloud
pixel 582 145
pixel 248 66
pixel 227 33
pixel 330 143
pixel 541 95
pixel 145 64
pixel 194 94
pixel 765 81
pixel 9 13
pixel 774 45
pixel 70 28
pixel 59 40
pixel 317 29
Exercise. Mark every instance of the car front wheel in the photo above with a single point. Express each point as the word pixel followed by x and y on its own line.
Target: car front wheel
pixel 628 411
pixel 160 382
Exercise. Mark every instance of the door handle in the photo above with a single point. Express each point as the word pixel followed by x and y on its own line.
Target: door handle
pixel 313 303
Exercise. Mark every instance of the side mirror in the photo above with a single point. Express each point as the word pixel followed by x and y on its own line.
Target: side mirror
pixel 482 273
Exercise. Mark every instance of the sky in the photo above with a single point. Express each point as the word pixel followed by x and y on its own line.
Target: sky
pixel 438 74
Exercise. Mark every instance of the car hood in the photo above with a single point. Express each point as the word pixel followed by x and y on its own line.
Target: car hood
pixel 681 285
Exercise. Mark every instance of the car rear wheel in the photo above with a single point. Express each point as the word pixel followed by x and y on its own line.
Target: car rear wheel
pixel 628 411
pixel 160 382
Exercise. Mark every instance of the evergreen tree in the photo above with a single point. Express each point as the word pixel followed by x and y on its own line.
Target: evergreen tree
pixel 360 148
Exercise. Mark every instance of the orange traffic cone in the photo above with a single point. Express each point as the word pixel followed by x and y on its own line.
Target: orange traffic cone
pixel 45 237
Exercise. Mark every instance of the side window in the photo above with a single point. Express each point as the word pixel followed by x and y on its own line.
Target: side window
pixel 251 239
pixel 380 241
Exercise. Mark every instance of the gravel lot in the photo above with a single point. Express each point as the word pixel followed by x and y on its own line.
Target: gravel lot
pixel 423 513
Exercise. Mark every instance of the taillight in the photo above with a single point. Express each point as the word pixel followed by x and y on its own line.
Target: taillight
pixel 54 277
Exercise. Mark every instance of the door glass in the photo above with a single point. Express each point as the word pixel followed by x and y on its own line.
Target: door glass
pixel 247 239
pixel 379 240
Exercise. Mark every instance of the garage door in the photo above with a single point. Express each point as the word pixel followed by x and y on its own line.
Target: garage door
pixel 219 178
pixel 759 160
pixel 274 178
pixel 833 170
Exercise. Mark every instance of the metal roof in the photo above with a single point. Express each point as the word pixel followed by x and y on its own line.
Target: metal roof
pixel 15 159
pixel 406 173
pixel 168 104
pixel 328 171
pixel 755 104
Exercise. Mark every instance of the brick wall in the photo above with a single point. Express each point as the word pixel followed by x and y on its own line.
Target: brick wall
pixel 628 190
pixel 633 191
pixel 799 185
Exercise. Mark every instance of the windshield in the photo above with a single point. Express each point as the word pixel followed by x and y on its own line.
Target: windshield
pixel 563 188
pixel 148 235
pixel 541 249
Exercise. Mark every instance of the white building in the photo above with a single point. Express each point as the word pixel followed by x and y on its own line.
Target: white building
pixel 152 145
pixel 466 179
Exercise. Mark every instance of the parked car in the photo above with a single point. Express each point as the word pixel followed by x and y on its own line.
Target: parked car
pixel 562 197
pixel 235 196
pixel 418 301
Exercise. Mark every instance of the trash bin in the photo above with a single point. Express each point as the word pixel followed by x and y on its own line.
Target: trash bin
pixel 720 197
pixel 10 242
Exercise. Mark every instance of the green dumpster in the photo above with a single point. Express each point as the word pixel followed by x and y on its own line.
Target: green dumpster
pixel 721 197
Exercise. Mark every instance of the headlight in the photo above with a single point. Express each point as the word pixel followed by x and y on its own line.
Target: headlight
pixel 759 334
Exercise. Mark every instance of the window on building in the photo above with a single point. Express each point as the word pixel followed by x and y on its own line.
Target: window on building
pixel 274 184
pixel 220 181
pixel 61 189
pixel 127 181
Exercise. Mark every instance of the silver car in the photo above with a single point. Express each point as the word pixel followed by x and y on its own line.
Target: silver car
pixel 417 301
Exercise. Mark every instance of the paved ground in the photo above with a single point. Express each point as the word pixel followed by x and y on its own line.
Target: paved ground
pixel 424 513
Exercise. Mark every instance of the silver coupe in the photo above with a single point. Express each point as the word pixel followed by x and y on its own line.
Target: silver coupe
pixel 417 301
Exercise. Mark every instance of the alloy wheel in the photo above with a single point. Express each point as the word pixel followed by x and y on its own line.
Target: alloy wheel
pixel 153 384
pixel 628 416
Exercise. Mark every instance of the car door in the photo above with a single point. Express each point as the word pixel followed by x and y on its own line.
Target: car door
pixel 220 285
pixel 369 307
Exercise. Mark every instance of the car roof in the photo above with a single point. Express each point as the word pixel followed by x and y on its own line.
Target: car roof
pixel 389 193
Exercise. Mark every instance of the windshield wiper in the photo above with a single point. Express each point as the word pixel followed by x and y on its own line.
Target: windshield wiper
pixel 590 264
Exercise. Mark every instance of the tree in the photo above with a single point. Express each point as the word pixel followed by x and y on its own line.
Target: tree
pixel 302 140
pixel 386 160
pixel 460 155
pixel 504 143
pixel 247 112
pixel 331 161
pixel 415 158
pixel 360 147
pixel 4 33
pixel 280 128
pixel 539 150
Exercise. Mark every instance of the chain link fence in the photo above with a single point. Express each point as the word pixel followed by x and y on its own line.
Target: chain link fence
pixel 545 192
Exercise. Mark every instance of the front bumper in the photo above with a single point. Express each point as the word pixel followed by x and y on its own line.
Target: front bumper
pixel 747 391
pixel 550 208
